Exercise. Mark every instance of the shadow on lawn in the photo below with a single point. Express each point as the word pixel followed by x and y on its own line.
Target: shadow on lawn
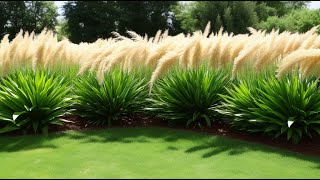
pixel 131 135
pixel 22 143
pixel 119 135
pixel 220 145
pixel 235 147
pixel 210 146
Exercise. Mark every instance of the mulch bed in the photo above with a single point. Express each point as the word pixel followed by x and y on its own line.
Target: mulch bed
pixel 307 146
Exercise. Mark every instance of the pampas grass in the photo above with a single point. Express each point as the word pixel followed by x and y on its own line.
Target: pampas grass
pixel 255 51
pixel 303 58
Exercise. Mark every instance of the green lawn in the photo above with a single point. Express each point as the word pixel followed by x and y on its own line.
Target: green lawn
pixel 147 153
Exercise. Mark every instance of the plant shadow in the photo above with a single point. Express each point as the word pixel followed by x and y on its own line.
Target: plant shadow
pixel 219 145
pixel 23 143
pixel 119 135
pixel 210 147
pixel 128 135
pixel 234 147
pixel 214 146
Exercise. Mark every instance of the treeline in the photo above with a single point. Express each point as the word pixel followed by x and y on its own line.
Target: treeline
pixel 89 20
pixel 85 21
pixel 27 15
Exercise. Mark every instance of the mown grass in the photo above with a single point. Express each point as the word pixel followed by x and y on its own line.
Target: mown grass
pixel 147 153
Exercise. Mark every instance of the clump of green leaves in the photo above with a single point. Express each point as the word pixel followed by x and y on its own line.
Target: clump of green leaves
pixel 34 100
pixel 287 106
pixel 118 93
pixel 187 95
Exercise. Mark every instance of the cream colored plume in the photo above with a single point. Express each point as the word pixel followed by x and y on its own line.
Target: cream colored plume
pixel 295 59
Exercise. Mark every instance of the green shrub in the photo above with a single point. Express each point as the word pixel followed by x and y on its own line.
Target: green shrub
pixel 187 95
pixel 119 93
pixel 301 20
pixel 287 106
pixel 31 99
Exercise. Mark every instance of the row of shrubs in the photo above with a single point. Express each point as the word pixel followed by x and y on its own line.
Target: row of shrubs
pixel 287 106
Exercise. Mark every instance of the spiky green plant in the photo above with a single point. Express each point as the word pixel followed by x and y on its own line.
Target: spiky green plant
pixel 287 106
pixel 101 103
pixel 187 95
pixel 34 100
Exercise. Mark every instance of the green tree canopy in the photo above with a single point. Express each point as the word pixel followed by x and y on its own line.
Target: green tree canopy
pixel 27 15
pixel 284 7
pixel 146 16
pixel 300 20
pixel 234 16
pixel 89 20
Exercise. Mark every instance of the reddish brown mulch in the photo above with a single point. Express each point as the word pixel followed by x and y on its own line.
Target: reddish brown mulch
pixel 307 146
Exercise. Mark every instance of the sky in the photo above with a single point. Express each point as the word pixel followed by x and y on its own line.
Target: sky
pixel 59 4
pixel 312 5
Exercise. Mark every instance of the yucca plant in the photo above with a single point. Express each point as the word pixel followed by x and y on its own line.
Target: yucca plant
pixel 287 106
pixel 34 100
pixel 187 95
pixel 102 103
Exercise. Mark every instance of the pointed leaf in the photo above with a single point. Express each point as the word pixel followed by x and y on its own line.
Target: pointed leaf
pixel 17 114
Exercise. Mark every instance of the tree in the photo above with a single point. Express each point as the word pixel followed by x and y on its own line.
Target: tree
pixel 244 16
pixel 62 29
pixel 235 16
pixel 284 7
pixel 228 19
pixel 300 20
pixel 15 18
pixel 89 20
pixel 4 17
pixel 26 15
pixel 264 11
pixel 297 4
pixel 218 23
pixel 146 16
pixel 41 14
pixel 184 16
